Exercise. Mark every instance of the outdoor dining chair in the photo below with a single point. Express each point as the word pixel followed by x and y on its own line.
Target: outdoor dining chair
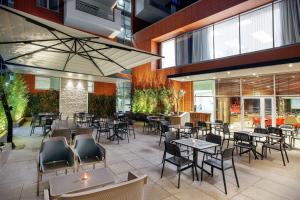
pixel 102 127
pixel 164 128
pixel 222 164
pixel 263 131
pixel 213 138
pixel 275 142
pixel 227 135
pixel 55 155
pixel 244 141
pixel 202 127
pixel 182 163
pixel 88 152
pixel 35 122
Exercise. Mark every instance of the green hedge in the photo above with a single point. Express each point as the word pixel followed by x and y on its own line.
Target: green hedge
pixel 47 101
pixel 17 96
pixel 102 106
pixel 152 101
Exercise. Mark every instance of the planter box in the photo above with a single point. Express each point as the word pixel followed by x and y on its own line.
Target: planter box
pixel 4 153
pixel 19 123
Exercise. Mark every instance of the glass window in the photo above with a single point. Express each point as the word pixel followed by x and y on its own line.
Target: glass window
pixel 168 52
pixel 49 4
pixel 256 30
pixel 286 22
pixel 204 92
pixel 90 87
pixel 184 49
pixel 226 37
pixel 203 48
pixel 42 83
pixel 258 85
pixel 47 83
pixel 288 84
pixel 228 87
pixel 53 5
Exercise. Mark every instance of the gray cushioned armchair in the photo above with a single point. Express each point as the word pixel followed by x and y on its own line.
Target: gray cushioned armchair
pixel 88 151
pixel 55 155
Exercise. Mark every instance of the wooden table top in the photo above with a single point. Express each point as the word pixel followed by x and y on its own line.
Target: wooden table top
pixel 72 182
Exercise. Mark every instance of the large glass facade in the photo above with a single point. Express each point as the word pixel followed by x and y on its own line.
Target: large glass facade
pixel 270 26
pixel 248 102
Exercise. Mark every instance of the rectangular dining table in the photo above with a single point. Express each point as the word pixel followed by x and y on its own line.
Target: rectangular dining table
pixel 253 135
pixel 196 145
pixel 71 183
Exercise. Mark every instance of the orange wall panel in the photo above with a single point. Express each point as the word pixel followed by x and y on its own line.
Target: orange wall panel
pixel 108 89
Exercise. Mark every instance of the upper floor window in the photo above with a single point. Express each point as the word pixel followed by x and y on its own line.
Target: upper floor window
pixel 47 83
pixel 168 52
pixel 9 3
pixel 49 4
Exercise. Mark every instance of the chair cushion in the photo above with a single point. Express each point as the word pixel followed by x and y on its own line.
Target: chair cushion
pixel 218 163
pixel 179 161
pixel 53 151
pixel 87 148
pixel 245 145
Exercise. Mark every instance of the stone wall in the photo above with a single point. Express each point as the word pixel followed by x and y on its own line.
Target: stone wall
pixel 73 96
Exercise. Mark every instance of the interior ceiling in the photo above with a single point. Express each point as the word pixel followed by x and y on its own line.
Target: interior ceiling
pixel 250 72
pixel 30 43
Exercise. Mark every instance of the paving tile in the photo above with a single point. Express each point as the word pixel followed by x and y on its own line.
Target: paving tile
pixel 262 179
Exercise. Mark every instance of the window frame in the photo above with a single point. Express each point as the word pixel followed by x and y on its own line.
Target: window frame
pixel 48 3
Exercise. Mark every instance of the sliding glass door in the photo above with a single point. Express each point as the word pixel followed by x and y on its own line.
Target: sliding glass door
pixel 258 112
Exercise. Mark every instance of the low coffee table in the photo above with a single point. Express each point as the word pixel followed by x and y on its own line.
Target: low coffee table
pixel 72 182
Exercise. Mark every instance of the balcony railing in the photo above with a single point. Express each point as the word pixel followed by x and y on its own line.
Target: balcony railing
pixel 95 10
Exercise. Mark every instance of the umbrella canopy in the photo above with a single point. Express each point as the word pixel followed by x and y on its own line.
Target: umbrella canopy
pixel 33 42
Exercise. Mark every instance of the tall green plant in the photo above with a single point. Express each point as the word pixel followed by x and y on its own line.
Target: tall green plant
pixel 152 100
pixel 17 97
pixel 47 101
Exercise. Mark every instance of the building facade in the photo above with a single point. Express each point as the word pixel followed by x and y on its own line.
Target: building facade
pixel 237 60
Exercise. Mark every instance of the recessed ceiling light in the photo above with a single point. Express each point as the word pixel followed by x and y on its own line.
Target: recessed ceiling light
pixel 290 65
pixel 293 76
pixel 214 77
pixel 183 79
pixel 187 77
pixel 228 72
pixel 254 74
pixel 268 86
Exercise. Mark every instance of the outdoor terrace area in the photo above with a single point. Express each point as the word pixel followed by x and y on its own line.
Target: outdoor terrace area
pixel 260 179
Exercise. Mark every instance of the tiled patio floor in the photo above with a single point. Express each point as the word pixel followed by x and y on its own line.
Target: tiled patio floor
pixel 262 179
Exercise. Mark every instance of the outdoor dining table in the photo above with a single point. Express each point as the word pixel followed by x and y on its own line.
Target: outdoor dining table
pixel 113 125
pixel 178 128
pixel 196 145
pixel 71 183
pixel 254 135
